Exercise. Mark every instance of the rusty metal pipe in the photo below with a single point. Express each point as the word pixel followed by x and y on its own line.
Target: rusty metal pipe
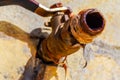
pixel 90 23
pixel 70 35
pixel 92 20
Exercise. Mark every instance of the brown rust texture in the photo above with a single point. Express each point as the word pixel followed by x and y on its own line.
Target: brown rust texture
pixel 68 36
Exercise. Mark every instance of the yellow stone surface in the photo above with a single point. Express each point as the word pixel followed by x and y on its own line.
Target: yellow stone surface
pixel 13 57
pixel 102 68
pixel 15 50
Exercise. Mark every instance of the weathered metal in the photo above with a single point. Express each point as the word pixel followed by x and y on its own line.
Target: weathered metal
pixel 69 35
pixel 33 6
pixel 69 32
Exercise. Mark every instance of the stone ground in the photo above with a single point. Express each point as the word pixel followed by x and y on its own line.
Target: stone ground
pixel 102 54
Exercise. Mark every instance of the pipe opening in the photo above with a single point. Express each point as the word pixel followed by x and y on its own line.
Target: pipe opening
pixel 94 20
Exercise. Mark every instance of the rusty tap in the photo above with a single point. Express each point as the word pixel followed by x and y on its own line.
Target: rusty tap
pixel 70 32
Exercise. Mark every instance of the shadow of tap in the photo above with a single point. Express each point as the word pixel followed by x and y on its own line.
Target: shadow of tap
pixel 35 68
pixel 17 33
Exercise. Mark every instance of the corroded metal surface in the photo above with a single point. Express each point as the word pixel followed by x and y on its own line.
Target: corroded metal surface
pixel 69 35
